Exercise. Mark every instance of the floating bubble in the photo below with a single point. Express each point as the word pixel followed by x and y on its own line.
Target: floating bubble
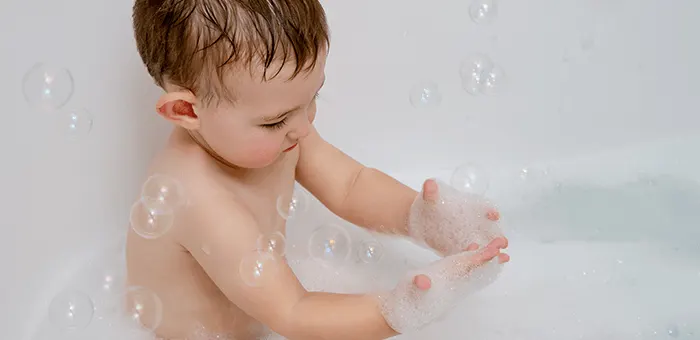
pixel 71 310
pixel 258 268
pixel 493 80
pixel 297 205
pixel 272 243
pixel 533 175
pixel 470 178
pixel 474 71
pixel 77 122
pixel 144 307
pixel 162 193
pixel 672 331
pixel 47 87
pixel 149 223
pixel 330 244
pixel 483 11
pixel 370 251
pixel 425 94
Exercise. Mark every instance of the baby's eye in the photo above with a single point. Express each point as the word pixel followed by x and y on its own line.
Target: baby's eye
pixel 277 125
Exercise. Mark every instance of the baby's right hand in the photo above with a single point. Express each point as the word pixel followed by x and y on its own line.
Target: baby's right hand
pixel 428 295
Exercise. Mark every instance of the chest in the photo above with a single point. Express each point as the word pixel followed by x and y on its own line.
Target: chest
pixel 268 194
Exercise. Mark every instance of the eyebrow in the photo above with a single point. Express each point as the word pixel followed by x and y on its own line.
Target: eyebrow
pixel 279 116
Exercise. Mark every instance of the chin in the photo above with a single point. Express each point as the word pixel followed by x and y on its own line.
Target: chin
pixel 258 161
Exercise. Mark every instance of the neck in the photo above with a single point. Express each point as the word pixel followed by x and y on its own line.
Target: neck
pixel 197 138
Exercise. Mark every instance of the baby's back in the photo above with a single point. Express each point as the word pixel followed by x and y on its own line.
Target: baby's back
pixel 192 304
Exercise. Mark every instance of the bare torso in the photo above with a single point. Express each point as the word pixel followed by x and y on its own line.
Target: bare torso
pixel 191 301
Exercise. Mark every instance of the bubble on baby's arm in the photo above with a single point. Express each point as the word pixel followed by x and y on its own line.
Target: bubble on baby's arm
pixel 258 268
pixel 150 223
pixel 162 194
pixel 274 243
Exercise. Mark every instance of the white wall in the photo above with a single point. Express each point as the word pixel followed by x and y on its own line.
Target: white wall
pixel 60 197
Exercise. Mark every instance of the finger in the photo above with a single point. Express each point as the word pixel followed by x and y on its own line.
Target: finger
pixel 422 282
pixel 472 247
pixel 498 243
pixel 486 255
pixel 493 215
pixel 503 258
pixel 430 190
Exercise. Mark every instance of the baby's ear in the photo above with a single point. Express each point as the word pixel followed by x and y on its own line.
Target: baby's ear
pixel 178 107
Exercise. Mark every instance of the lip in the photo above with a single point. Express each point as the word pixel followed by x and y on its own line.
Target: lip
pixel 291 147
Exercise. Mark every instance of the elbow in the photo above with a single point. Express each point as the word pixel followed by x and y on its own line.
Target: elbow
pixel 345 204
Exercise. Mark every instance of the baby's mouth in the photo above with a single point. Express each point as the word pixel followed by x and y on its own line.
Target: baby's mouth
pixel 290 148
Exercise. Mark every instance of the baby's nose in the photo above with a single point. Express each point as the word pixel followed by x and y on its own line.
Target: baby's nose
pixel 300 132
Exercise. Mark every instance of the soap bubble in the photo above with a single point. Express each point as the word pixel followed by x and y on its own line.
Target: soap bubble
pixel 330 244
pixel 272 243
pixel 483 11
pixel 470 178
pixel 485 275
pixel 162 194
pixel 295 206
pixel 370 251
pixel 257 268
pixel 47 87
pixel 425 94
pixel 474 71
pixel 493 80
pixel 144 307
pixel 71 310
pixel 672 331
pixel 107 281
pixel 149 223
pixel 533 175
pixel 77 122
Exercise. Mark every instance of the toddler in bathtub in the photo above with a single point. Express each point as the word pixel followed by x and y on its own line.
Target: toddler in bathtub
pixel 240 78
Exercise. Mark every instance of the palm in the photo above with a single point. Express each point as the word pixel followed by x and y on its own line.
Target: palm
pixel 453 222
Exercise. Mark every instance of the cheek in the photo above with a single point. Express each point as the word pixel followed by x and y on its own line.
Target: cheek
pixel 260 152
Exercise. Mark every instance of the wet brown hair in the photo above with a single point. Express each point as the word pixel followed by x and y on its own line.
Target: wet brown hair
pixel 191 43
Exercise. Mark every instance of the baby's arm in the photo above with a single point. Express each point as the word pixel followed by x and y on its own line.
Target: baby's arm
pixel 229 233
pixel 363 196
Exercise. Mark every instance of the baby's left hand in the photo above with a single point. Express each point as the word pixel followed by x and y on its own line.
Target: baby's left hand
pixel 449 221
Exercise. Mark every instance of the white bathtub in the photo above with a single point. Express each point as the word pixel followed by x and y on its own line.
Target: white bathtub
pixel 602 247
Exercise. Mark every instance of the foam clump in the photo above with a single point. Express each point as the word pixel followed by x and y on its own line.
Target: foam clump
pixel 452 222
pixel 408 308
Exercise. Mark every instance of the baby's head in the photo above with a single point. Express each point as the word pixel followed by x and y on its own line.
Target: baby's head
pixel 240 75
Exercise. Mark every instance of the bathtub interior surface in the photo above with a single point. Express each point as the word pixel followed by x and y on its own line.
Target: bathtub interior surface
pixel 602 247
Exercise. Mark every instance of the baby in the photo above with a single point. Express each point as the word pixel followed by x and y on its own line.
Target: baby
pixel 240 79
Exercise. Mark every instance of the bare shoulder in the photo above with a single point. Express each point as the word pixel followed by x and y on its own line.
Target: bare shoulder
pixel 203 187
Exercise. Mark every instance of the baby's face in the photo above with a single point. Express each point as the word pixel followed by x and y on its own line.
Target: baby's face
pixel 267 119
